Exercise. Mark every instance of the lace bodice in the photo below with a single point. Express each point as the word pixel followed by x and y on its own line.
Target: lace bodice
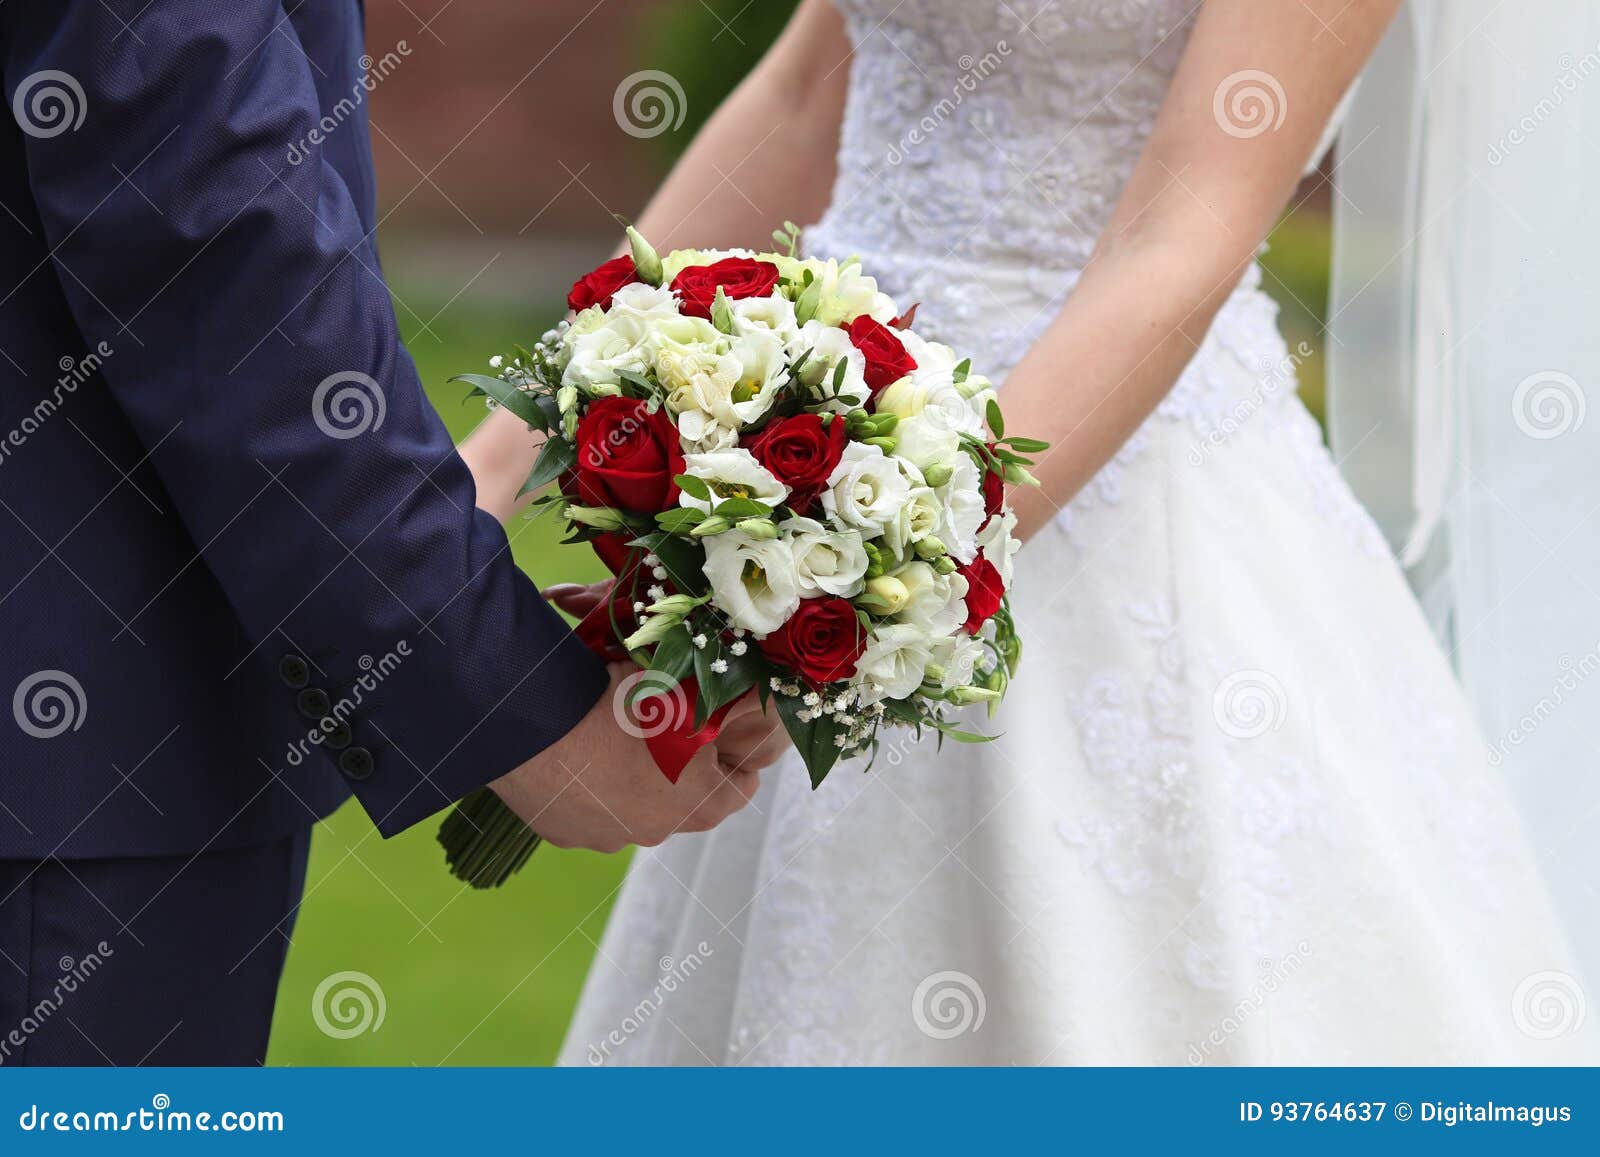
pixel 997 131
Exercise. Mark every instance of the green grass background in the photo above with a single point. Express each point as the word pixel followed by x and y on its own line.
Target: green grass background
pixel 491 978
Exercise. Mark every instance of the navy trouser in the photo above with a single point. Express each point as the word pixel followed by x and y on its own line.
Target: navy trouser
pixel 161 960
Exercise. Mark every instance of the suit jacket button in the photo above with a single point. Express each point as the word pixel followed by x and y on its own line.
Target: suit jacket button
pixel 339 736
pixel 294 671
pixel 314 703
pixel 356 762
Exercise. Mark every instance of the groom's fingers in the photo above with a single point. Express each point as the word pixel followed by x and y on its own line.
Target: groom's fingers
pixel 751 742
pixel 577 600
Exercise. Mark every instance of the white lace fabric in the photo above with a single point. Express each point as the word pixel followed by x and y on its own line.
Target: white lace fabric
pixel 1238 812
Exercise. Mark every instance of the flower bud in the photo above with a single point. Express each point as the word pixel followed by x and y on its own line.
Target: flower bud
pixel 966 696
pixel 646 261
pixel 760 529
pixel 651 631
pixel 566 398
pixel 930 547
pixel 888 592
pixel 716 524
pixel 1017 476
pixel 676 606
pixel 944 564
pixel 722 312
pixel 887 445
pixel 938 474
pixel 599 517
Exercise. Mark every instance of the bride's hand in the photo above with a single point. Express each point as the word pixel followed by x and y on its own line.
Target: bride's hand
pixel 501 453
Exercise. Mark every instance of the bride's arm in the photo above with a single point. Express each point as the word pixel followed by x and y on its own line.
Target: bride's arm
pixel 767 156
pixel 1191 218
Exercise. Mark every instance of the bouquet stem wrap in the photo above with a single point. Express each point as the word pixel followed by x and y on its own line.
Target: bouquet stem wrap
pixel 485 842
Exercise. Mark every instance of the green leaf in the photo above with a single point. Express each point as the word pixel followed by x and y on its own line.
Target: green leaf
pixel 555 459
pixel 997 424
pixel 518 401
pixel 960 373
pixel 813 740
pixel 744 672
pixel 962 736
pixel 734 508
pixel 679 519
pixel 1028 445
pixel 674 655
pixel 694 487
pixel 684 560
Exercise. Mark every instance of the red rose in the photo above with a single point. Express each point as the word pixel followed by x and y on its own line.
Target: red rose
pixel 597 287
pixel 823 641
pixel 627 456
pixel 696 286
pixel 800 452
pixel 994 493
pixel 887 359
pixel 984 592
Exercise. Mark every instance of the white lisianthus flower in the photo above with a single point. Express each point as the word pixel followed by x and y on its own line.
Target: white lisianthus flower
pixel 896 657
pixel 829 345
pixel 826 561
pixel 918 516
pixel 678 260
pixel 999 545
pixel 937 603
pixel 636 299
pixel 752 580
pixel 713 396
pixel 926 441
pixel 585 321
pixel 958 655
pixel 961 508
pixel 731 473
pixel 600 356
pixel 844 293
pixel 930 356
pixel 772 314
pixel 865 489
pixel 932 395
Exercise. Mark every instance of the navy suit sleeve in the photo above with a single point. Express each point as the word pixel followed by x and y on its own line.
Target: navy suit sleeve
pixel 239 293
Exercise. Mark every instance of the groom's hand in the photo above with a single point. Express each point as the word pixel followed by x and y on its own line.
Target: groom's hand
pixel 598 787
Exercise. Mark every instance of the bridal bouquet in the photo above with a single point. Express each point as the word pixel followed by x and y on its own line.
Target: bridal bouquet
pixel 799 496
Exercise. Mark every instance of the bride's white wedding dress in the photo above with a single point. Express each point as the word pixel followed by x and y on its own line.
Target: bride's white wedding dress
pixel 1239 813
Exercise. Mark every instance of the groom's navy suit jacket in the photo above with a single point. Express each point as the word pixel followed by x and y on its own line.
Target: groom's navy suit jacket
pixel 210 547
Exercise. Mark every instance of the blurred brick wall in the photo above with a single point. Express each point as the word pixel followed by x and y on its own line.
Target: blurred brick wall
pixel 499 119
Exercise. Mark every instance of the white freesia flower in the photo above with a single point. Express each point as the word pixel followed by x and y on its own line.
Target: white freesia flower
pixel 918 516
pixel 732 390
pixel 844 293
pixel 772 314
pixel 826 561
pixel 937 603
pixel 934 396
pixel 961 508
pixel 731 473
pixel 896 657
pixel 999 545
pixel 752 580
pixel 926 441
pixel 865 489
pixel 828 346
